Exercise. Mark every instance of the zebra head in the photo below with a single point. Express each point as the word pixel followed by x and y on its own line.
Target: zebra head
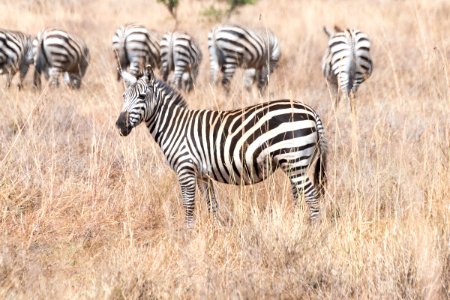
pixel 137 96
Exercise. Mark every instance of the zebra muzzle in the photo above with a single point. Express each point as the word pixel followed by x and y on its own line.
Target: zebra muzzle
pixel 123 124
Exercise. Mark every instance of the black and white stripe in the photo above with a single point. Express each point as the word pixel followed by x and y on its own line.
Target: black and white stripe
pixel 347 62
pixel 59 52
pixel 16 54
pixel 232 46
pixel 135 47
pixel 180 54
pixel 242 146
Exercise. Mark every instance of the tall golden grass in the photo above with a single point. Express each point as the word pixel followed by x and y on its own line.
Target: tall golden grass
pixel 85 213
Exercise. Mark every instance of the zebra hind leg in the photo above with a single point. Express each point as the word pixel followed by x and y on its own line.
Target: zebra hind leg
pixel 301 185
pixel 352 97
pixel 188 85
pixel 37 79
pixel 23 70
pixel 228 71
pixel 9 76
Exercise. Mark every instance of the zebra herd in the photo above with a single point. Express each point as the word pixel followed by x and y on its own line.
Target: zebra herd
pixel 345 64
pixel 242 146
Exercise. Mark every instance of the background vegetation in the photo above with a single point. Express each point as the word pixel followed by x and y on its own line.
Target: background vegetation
pixel 85 213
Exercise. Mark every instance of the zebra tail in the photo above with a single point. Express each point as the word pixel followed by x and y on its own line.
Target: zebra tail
pixel 320 169
pixel 352 66
pixel 170 60
pixel 40 59
pixel 351 73
pixel 122 57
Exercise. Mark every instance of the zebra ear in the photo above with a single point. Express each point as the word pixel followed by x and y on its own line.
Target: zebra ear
pixel 327 31
pixel 148 72
pixel 128 78
pixel 337 29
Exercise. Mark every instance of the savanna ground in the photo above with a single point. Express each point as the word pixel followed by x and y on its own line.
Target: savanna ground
pixel 86 213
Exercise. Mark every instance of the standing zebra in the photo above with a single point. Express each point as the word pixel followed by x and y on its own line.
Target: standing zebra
pixel 135 47
pixel 181 54
pixel 59 52
pixel 242 146
pixel 232 46
pixel 347 62
pixel 16 54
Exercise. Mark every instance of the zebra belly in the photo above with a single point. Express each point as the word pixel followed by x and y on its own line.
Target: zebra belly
pixel 245 173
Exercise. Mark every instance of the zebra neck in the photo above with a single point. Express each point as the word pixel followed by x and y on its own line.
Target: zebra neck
pixel 170 115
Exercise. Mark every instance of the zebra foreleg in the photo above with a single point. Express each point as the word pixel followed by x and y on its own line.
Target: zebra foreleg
pixel 263 80
pixel 54 77
pixel 9 76
pixel 187 185
pixel 136 67
pixel 249 78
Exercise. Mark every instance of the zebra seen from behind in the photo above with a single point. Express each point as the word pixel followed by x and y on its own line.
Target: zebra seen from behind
pixel 58 52
pixel 16 54
pixel 347 62
pixel 180 54
pixel 135 47
pixel 242 146
pixel 232 46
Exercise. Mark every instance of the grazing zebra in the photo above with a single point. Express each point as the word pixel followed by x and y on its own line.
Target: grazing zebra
pixel 242 146
pixel 59 52
pixel 347 62
pixel 16 54
pixel 181 54
pixel 232 46
pixel 135 47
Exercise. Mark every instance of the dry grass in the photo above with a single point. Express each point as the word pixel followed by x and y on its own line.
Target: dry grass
pixel 88 214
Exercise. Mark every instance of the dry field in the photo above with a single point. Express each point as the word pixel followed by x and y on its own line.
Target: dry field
pixel 85 213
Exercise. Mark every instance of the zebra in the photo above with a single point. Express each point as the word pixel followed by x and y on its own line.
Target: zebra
pixel 56 52
pixel 16 54
pixel 181 54
pixel 242 146
pixel 135 46
pixel 232 46
pixel 347 62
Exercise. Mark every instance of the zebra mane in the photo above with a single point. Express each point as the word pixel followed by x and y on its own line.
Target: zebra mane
pixel 170 94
